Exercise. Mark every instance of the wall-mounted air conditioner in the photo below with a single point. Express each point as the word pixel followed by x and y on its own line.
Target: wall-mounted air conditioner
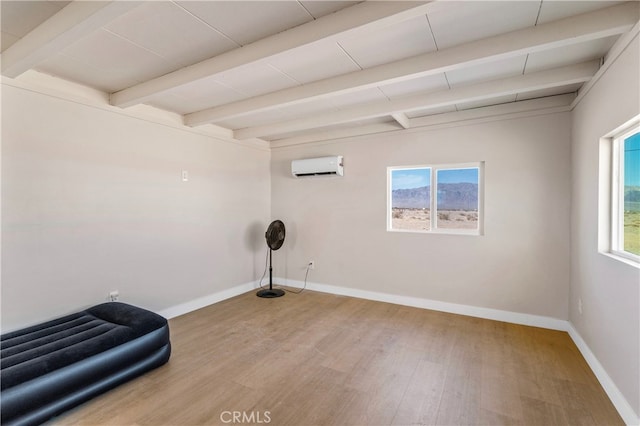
pixel 323 166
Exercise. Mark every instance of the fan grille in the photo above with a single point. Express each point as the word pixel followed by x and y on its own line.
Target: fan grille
pixel 275 234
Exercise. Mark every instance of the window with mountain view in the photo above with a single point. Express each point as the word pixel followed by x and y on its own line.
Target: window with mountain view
pixel 626 194
pixel 453 207
pixel 457 200
pixel 411 199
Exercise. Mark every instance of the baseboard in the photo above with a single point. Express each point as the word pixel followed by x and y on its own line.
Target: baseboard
pixel 625 410
pixel 210 299
pixel 453 308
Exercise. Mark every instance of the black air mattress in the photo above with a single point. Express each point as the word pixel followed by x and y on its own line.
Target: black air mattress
pixel 51 367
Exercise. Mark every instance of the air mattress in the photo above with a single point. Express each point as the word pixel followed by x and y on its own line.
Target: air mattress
pixel 51 367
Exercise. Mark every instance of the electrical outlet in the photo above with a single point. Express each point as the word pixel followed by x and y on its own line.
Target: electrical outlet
pixel 312 264
pixel 580 305
pixel 114 295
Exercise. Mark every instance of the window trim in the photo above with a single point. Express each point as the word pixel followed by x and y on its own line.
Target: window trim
pixel 433 229
pixel 611 194
pixel 616 247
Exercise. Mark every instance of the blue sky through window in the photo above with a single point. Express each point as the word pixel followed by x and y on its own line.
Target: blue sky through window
pixel 410 178
pixel 632 160
pixel 458 176
pixel 417 178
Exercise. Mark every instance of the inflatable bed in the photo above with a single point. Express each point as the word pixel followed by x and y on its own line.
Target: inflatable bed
pixel 50 367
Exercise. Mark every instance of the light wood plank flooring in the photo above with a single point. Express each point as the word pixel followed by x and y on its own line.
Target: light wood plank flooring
pixel 320 359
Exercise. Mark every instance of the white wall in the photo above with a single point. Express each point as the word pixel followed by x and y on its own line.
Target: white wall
pixel 521 264
pixel 609 289
pixel 92 200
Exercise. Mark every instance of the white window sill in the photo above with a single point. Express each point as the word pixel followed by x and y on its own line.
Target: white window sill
pixel 473 233
pixel 621 259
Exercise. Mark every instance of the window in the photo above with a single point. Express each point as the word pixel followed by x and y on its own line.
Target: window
pixel 625 194
pixel 454 207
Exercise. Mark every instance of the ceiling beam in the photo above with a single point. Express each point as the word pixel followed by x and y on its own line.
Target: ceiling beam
pixel 527 107
pixel 332 134
pixel 565 32
pixel 402 119
pixel 71 23
pixel 362 17
pixel 547 105
pixel 612 55
pixel 476 92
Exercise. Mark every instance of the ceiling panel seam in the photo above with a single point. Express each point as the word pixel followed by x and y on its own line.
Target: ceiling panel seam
pixel 196 17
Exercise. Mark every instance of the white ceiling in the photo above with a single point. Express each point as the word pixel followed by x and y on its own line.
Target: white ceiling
pixel 281 69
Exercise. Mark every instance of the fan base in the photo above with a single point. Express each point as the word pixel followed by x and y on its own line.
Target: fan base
pixel 270 293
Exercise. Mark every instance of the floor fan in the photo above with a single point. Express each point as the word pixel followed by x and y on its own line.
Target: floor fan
pixel 275 237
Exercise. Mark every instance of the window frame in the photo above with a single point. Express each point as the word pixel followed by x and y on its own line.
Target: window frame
pixel 616 246
pixel 434 168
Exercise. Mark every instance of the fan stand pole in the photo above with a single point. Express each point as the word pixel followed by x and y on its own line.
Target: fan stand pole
pixel 270 292
pixel 270 271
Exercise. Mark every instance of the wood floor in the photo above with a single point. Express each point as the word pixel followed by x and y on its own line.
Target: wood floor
pixel 320 359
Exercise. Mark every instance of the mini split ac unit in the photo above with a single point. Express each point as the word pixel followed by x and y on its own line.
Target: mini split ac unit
pixel 323 166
